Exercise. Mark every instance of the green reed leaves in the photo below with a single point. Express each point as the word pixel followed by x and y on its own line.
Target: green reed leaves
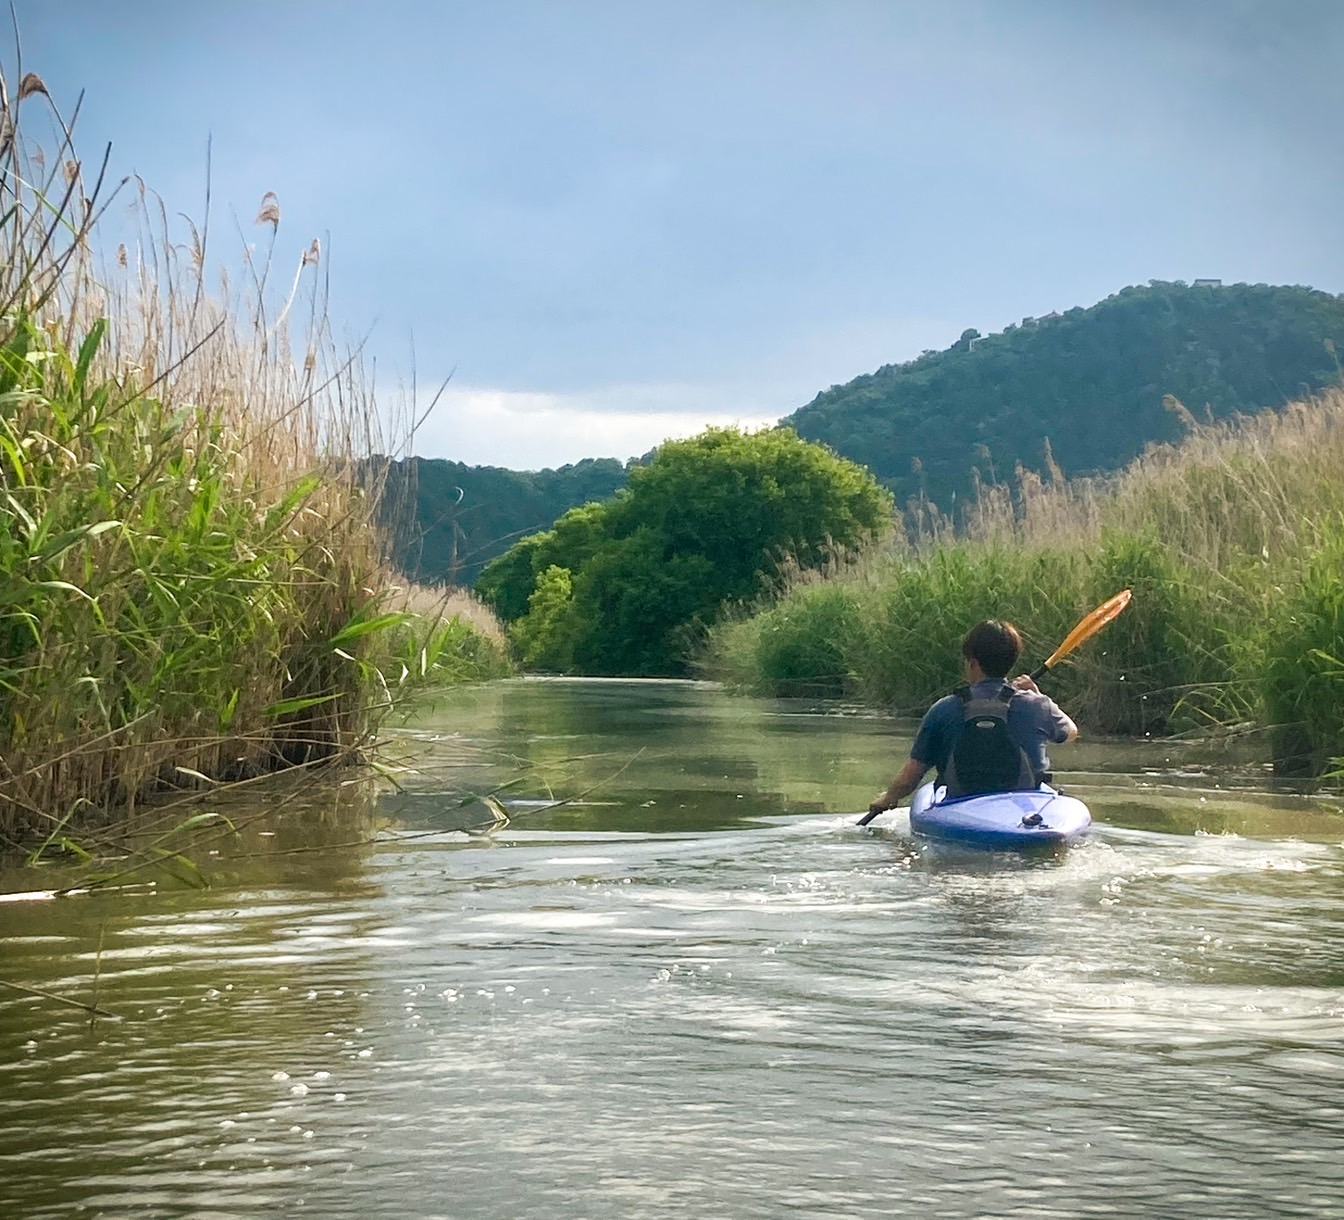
pixel 192 587
pixel 1233 542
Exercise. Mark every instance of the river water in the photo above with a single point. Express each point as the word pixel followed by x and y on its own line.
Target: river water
pixel 695 990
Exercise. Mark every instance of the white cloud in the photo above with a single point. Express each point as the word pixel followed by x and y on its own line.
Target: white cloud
pixel 528 430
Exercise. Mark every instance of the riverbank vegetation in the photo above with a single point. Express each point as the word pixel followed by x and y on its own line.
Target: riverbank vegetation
pixel 628 585
pixel 193 586
pixel 1232 539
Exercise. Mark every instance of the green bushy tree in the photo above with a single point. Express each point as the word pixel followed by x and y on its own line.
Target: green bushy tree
pixel 637 602
pixel 543 636
pixel 507 582
pixel 710 520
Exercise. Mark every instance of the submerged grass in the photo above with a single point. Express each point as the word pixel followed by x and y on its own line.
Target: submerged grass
pixel 192 587
pixel 1232 540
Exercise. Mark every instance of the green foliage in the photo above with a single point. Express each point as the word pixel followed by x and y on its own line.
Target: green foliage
pixel 543 637
pixel 806 643
pixel 427 650
pixel 140 589
pixel 1091 381
pixel 894 635
pixel 167 610
pixel 193 588
pixel 742 501
pixel 638 603
pixel 449 519
pixel 1161 652
pixel 710 520
pixel 1151 667
pixel 508 581
pixel 1233 543
pixel 575 538
pixel 1303 666
pixel 921 609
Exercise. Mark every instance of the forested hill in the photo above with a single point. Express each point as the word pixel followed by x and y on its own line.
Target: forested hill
pixel 449 519
pixel 1091 381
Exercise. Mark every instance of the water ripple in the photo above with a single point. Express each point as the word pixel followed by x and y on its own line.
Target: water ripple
pixel 787 1018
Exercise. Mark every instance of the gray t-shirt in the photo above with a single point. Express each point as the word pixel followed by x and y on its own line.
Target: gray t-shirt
pixel 1034 721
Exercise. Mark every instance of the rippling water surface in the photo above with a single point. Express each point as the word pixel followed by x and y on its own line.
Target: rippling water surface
pixel 698 990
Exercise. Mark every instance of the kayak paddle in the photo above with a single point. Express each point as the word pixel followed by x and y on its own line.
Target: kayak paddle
pixel 1088 626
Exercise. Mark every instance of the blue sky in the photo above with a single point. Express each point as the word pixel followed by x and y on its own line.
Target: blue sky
pixel 620 221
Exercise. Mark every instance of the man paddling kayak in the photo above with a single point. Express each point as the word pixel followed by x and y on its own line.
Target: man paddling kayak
pixel 991 735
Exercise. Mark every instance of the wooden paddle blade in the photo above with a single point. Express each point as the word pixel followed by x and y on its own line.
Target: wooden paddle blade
pixel 1107 612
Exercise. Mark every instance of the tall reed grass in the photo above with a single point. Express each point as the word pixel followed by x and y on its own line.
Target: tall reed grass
pixel 192 588
pixel 1233 541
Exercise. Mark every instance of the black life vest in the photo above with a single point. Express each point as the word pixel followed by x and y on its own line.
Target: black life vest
pixel 985 757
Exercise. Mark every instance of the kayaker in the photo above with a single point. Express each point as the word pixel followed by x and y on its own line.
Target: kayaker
pixel 1013 722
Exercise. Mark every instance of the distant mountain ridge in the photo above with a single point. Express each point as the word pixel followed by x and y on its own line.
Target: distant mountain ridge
pixel 1090 382
pixel 448 519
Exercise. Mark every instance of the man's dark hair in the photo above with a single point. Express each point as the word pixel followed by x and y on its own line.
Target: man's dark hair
pixel 995 645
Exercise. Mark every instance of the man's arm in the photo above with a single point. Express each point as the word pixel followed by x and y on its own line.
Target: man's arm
pixel 901 787
pixel 1065 729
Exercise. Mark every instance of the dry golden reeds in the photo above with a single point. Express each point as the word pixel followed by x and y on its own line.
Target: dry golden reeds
pixel 195 589
pixel 1226 536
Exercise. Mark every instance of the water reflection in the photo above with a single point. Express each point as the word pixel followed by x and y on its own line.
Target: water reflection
pixel 683 757
pixel 696 990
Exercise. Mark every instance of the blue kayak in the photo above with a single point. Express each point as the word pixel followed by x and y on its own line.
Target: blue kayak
pixel 1001 821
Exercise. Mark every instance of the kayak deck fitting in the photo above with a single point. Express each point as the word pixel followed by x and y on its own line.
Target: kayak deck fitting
pixel 1010 821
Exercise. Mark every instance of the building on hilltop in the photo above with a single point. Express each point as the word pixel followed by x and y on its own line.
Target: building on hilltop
pixel 1207 284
